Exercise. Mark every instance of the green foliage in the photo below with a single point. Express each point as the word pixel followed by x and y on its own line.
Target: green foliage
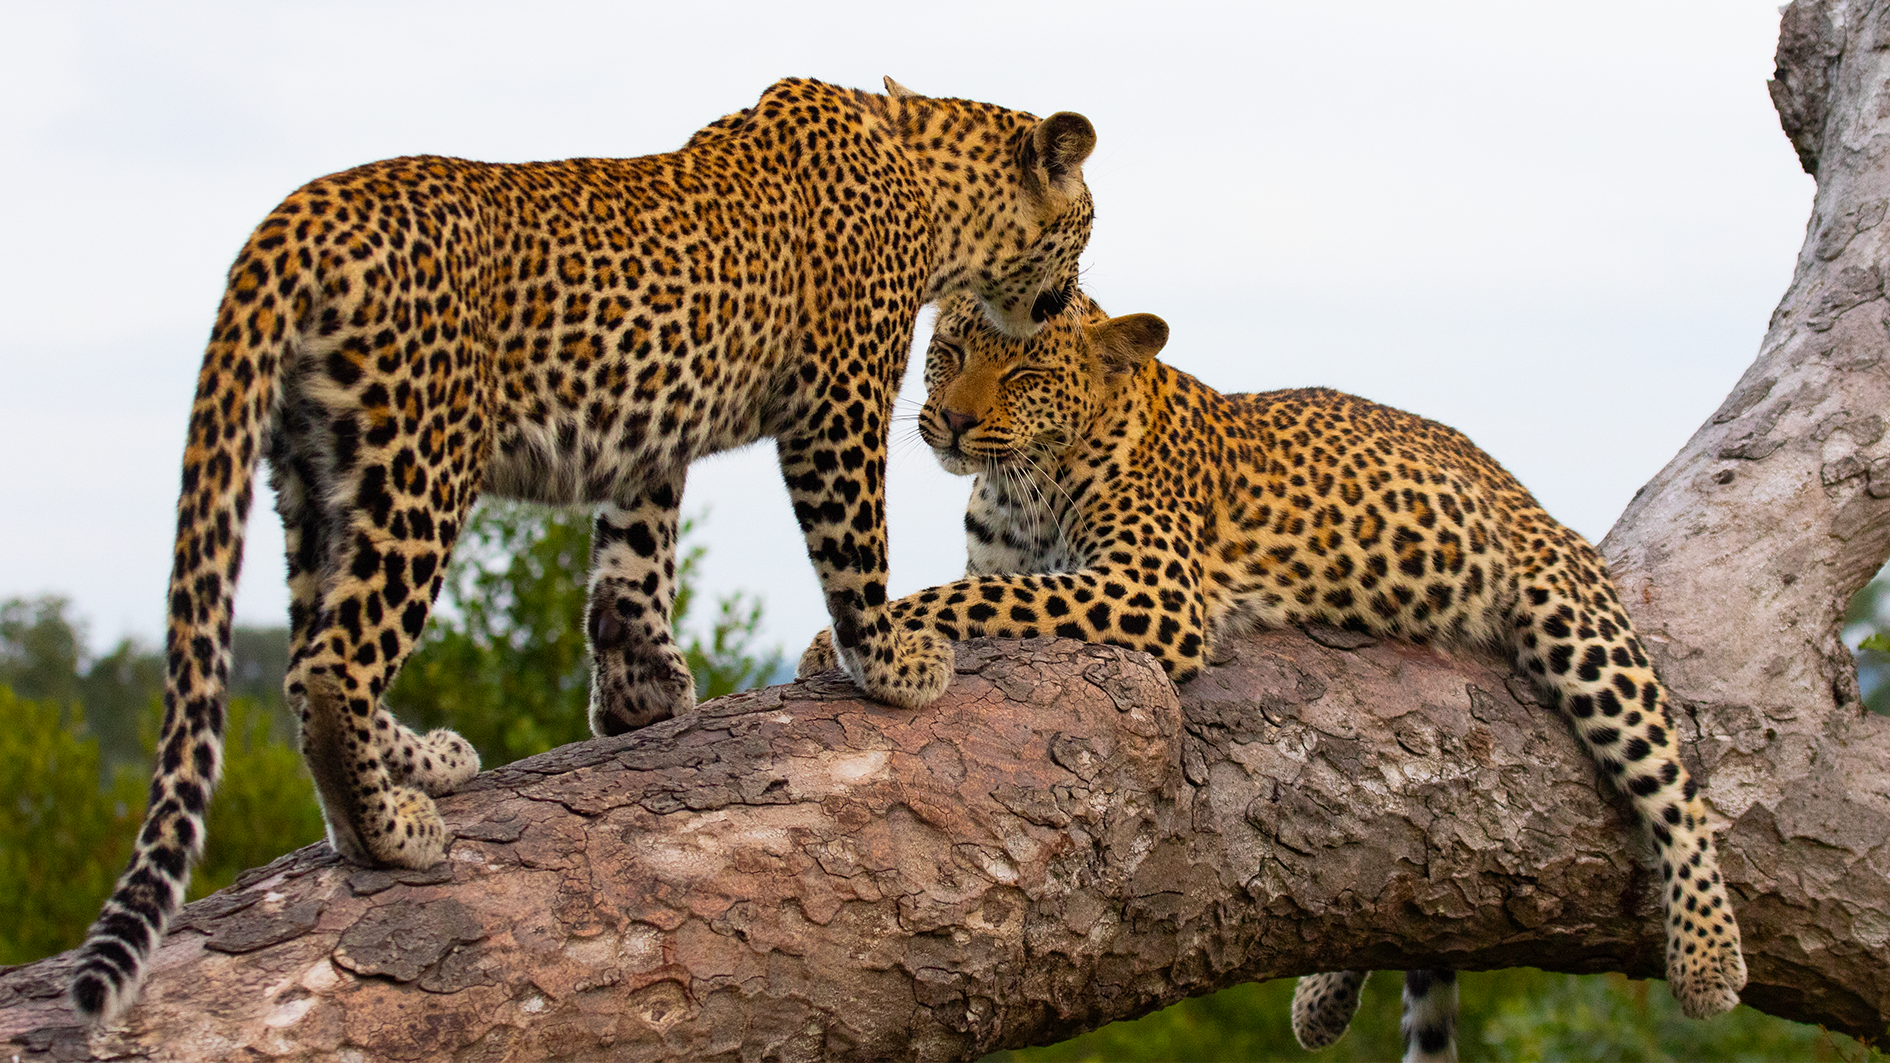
pixel 503 661
pixel 42 657
pixel 40 647
pixel 1244 1022
pixel 123 695
pixel 1528 1014
pixel 63 837
pixel 1506 1015
pixel 1867 632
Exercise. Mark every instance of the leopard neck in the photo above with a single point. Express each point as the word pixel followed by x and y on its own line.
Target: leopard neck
pixel 967 157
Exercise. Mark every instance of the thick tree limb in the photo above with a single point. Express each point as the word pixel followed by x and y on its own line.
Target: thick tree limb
pixel 1064 840
pixel 1059 843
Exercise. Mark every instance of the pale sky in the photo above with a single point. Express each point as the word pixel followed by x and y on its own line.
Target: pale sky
pixel 1558 227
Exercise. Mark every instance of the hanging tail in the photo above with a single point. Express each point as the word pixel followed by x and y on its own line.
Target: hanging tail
pixel 236 395
pixel 1429 1025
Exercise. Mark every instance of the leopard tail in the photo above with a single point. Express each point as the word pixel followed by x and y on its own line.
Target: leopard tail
pixel 1429 1024
pixel 237 394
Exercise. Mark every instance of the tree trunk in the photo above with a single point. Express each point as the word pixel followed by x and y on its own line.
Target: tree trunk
pixel 1065 840
pixel 1738 559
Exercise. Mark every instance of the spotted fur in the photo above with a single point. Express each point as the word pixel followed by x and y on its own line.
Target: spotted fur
pixel 1429 1025
pixel 1120 500
pixel 400 337
pixel 1323 1006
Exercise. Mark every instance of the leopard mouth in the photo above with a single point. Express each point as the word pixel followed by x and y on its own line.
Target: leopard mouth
pixel 961 460
pixel 964 462
pixel 955 460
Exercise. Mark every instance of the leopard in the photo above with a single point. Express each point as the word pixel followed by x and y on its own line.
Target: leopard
pixel 399 338
pixel 1117 499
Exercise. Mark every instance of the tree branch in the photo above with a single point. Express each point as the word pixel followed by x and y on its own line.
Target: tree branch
pixel 1058 843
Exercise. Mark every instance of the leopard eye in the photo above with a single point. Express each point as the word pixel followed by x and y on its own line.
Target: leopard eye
pixel 1024 374
pixel 946 349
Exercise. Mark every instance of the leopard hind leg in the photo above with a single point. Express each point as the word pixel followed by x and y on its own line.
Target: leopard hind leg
pixel 1323 1006
pixel 1429 1023
pixel 639 675
pixel 368 546
pixel 438 762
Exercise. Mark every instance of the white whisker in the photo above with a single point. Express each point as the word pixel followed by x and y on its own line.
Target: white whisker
pixel 1068 510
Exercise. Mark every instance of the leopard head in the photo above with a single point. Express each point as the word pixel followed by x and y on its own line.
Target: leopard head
pixel 994 399
pixel 1013 213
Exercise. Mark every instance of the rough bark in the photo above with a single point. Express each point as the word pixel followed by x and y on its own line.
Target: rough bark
pixel 1065 839
pixel 1061 842
pixel 1739 558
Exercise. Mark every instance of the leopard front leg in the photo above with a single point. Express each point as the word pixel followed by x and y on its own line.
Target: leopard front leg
pixel 638 673
pixel 835 479
pixel 1575 638
pixel 1102 604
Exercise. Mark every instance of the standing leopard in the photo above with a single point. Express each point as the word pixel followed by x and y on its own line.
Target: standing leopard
pixel 400 337
pixel 1120 500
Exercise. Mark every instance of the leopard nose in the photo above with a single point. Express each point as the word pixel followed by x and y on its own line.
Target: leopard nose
pixel 959 423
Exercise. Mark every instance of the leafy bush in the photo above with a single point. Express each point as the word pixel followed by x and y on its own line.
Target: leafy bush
pixel 63 837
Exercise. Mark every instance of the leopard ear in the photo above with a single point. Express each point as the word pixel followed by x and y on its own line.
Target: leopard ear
pixel 898 91
pixel 1061 142
pixel 1126 344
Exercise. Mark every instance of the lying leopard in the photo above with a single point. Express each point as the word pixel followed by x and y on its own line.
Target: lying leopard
pixel 400 337
pixel 1158 514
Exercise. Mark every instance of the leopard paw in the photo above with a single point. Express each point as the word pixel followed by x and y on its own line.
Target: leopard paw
pixel 443 762
pixel 1323 1006
pixel 818 657
pixel 636 689
pixel 410 833
pixel 920 671
pixel 436 763
pixel 1706 981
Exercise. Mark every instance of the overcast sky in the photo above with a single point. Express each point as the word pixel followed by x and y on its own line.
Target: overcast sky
pixel 1558 227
